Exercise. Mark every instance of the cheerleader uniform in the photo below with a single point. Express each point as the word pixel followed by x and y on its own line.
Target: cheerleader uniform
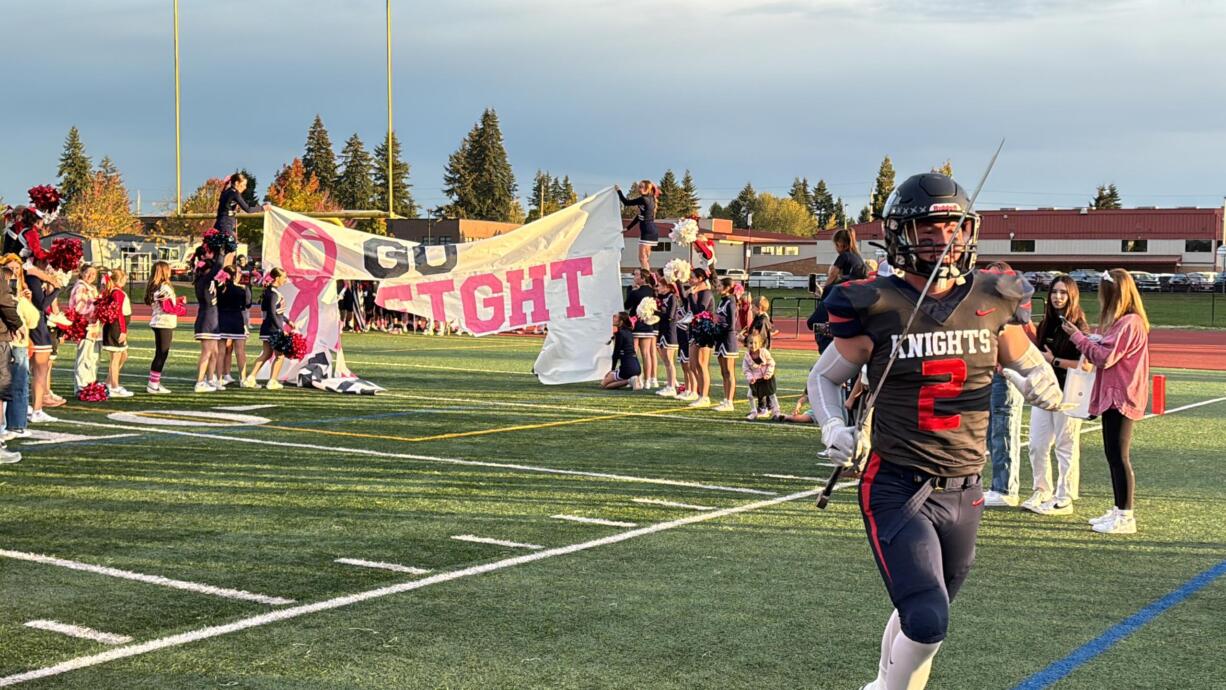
pixel 625 363
pixel 726 317
pixel 681 319
pixel 233 301
pixel 206 301
pixel 227 209
pixel 701 301
pixel 112 331
pixel 666 326
pixel 40 336
pixel 634 296
pixel 649 235
pixel 273 306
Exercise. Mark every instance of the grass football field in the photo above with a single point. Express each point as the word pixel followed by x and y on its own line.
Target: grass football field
pixel 205 542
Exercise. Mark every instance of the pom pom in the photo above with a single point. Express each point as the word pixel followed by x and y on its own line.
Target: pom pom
pixel 75 332
pixel 685 232
pixel 646 311
pixel 45 198
pixel 65 254
pixel 738 290
pixel 94 392
pixel 221 277
pixel 220 242
pixel 106 309
pixel 292 345
pixel 677 271
pixel 704 330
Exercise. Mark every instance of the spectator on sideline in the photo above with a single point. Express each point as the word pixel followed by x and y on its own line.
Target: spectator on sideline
pixel 1121 388
pixel 1057 428
pixel 81 300
pixel 760 324
pixel 17 411
pixel 10 324
pixel 1005 430
pixel 819 322
pixel 759 368
pixel 848 265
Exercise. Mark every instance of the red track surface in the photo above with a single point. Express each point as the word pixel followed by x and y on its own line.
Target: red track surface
pixel 1169 348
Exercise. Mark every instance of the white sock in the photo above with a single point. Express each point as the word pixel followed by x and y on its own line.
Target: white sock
pixel 910 664
pixel 892 628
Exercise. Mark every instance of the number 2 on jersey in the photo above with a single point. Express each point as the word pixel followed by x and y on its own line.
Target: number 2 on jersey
pixel 955 369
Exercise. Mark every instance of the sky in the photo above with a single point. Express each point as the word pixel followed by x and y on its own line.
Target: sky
pixel 736 91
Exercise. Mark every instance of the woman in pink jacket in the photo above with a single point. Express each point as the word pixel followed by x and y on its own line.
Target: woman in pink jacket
pixel 1121 388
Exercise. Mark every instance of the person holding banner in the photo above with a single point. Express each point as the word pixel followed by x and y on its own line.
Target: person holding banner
pixel 272 305
pixel 625 364
pixel 649 236
pixel 230 201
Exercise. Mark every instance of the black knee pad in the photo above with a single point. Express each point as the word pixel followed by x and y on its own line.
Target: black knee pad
pixel 925 616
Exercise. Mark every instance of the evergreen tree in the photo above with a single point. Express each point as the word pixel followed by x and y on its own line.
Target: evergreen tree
pixel 478 176
pixel 840 213
pixel 1107 197
pixel 355 189
pixel 690 194
pixel 822 207
pixel 568 193
pixel 882 188
pixel 744 204
pixel 672 202
pixel 106 168
pixel 717 211
pixel 402 198
pixel 866 214
pixel 76 169
pixel 541 203
pixel 800 193
pixel 319 160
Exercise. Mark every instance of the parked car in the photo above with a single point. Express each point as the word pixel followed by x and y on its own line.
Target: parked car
pixel 1041 280
pixel 1164 281
pixel 1146 282
pixel 1201 281
pixel 768 279
pixel 1180 282
pixel 1086 279
pixel 733 273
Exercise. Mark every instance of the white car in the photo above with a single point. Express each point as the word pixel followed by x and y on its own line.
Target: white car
pixel 769 279
pixel 733 273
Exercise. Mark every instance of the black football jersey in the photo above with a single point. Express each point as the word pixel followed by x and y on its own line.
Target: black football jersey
pixel 932 413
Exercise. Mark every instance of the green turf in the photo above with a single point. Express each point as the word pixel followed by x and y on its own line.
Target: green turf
pixel 783 596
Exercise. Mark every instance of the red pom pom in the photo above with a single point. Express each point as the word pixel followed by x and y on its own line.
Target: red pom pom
pixel 65 254
pixel 106 310
pixel 299 347
pixel 75 332
pixel 94 392
pixel 45 198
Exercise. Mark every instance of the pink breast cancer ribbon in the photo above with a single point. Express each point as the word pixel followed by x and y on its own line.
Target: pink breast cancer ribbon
pixel 310 283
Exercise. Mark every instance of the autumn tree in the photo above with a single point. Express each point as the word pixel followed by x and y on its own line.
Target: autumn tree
pixel 293 189
pixel 102 209
pixel 784 215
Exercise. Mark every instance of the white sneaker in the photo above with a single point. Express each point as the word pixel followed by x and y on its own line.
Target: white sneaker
pixel 41 417
pixel 157 389
pixel 20 434
pixel 274 385
pixel 724 405
pixel 58 319
pixel 228 380
pixel 8 457
pixel 7 436
pixel 704 401
pixel 753 414
pixel 249 382
pixel 653 384
pixel 119 392
pixel 1037 499
pixel 667 392
pixel 217 384
pixel 205 387
pixel 994 499
pixel 689 396
pixel 1055 507
pixel 636 383
pixel 1122 523
pixel 1105 517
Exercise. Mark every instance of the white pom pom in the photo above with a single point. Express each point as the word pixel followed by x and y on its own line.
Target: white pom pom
pixel 646 311
pixel 684 232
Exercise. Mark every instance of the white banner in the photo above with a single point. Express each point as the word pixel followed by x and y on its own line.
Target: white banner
pixel 562 271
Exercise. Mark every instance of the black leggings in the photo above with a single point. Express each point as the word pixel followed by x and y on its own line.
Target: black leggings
pixel 1117 442
pixel 161 339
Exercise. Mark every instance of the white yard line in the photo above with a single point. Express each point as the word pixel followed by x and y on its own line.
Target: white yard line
pixel 79 631
pixel 243 408
pixel 594 521
pixel 150 579
pixel 671 504
pixel 496 542
pixel 426 458
pixel 792 476
pixel 395 567
pixel 348 600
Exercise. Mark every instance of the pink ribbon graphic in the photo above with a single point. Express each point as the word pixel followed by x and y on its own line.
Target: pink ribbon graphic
pixel 309 283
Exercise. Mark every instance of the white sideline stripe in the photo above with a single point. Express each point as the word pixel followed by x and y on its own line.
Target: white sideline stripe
pixel 150 579
pixel 496 542
pixel 79 631
pixel 242 408
pixel 845 485
pixel 671 504
pixel 792 476
pixel 427 458
pixel 350 599
pixel 1087 428
pixel 383 566
pixel 594 521
pixel 42 437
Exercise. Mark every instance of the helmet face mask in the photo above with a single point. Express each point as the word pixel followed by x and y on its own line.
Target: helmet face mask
pixel 917 203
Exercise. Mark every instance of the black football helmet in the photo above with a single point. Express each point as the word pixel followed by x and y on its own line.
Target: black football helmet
pixel 929 196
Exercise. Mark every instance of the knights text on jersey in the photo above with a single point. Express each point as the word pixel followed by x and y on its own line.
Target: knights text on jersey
pixel 932 413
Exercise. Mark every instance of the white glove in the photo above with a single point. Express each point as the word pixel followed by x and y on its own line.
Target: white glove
pixel 1040 388
pixel 846 444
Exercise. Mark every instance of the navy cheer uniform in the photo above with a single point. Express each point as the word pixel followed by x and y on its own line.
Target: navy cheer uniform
pixel 227 207
pixel 625 363
pixel 273 306
pixel 700 301
pixel 634 296
pixel 726 317
pixel 666 327
pixel 680 318
pixel 646 220
pixel 207 327
pixel 233 301
pixel 920 494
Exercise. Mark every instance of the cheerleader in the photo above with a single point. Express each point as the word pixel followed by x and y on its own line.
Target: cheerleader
pixel 725 348
pixel 229 202
pixel 667 341
pixel 115 333
pixel 272 304
pixel 166 308
pixel 705 248
pixel 701 300
pixel 207 331
pixel 625 364
pixel 81 300
pixel 233 301
pixel 681 316
pixel 42 296
pixel 644 332
pixel 649 236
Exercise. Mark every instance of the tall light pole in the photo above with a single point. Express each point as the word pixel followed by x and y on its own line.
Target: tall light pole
pixel 390 157
pixel 178 157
